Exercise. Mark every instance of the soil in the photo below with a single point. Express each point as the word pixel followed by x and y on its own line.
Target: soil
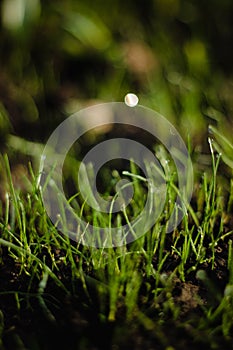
pixel 75 322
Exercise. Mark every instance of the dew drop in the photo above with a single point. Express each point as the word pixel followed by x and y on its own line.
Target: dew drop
pixel 131 100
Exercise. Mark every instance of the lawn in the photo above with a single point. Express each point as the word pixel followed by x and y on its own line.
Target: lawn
pixel 166 285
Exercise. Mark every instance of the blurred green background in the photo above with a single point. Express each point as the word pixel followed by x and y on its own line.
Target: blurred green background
pixel 57 57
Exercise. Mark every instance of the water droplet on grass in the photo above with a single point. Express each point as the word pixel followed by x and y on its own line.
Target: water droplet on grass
pixel 131 100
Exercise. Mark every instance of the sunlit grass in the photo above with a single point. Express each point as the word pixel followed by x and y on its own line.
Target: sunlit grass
pixel 137 281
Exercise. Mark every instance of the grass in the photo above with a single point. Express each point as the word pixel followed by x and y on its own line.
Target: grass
pixel 163 291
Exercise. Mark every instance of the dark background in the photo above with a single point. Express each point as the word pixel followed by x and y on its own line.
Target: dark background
pixel 57 57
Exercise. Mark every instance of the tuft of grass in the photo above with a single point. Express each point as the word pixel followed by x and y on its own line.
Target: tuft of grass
pixel 164 288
